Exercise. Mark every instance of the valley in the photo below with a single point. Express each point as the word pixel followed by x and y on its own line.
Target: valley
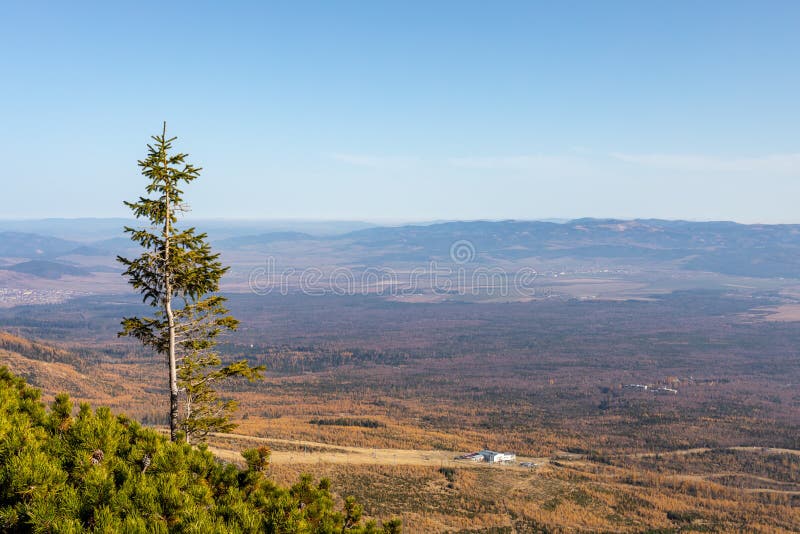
pixel 642 396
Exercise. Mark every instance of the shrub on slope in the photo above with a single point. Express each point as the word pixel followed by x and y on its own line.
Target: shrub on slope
pixel 97 472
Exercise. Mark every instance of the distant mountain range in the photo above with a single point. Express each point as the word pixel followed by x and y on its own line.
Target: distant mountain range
pixel 26 245
pixel 46 269
pixel 262 239
pixel 723 247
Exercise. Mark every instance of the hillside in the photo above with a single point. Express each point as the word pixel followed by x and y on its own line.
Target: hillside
pixel 85 375
pixel 39 351
pixel 46 269
pixel 29 245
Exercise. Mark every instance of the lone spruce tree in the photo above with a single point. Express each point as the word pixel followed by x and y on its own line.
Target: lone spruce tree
pixel 175 275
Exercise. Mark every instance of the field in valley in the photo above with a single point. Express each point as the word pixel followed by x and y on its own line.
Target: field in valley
pixel 380 396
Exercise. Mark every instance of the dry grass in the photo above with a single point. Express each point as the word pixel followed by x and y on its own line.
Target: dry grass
pixel 568 495
pixel 291 452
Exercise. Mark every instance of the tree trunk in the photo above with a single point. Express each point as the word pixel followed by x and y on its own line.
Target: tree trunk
pixel 188 414
pixel 173 372
pixel 173 367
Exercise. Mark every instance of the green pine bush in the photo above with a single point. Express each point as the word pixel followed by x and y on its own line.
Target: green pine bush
pixel 105 473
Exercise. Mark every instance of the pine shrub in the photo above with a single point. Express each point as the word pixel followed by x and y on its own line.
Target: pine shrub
pixel 104 473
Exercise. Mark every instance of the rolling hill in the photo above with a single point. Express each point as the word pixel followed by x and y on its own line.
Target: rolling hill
pixel 46 269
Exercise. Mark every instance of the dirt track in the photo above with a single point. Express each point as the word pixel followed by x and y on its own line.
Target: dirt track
pixel 310 452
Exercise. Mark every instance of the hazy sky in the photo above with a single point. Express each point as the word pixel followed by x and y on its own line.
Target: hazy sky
pixel 428 110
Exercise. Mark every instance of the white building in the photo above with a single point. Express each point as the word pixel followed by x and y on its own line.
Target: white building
pixel 495 457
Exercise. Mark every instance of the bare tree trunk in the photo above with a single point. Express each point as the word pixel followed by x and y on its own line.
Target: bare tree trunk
pixel 173 372
pixel 188 415
pixel 173 368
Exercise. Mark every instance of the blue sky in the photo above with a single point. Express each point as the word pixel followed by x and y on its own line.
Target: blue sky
pixel 408 111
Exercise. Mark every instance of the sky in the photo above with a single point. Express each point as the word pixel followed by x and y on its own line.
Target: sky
pixel 407 111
